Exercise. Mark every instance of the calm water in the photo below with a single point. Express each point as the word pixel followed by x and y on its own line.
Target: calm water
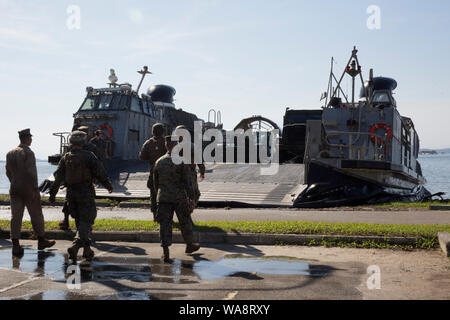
pixel 44 171
pixel 436 169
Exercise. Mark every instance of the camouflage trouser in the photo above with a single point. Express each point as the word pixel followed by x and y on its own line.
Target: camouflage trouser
pixel 65 210
pixel 165 214
pixel 81 206
pixel 153 193
pixel 195 187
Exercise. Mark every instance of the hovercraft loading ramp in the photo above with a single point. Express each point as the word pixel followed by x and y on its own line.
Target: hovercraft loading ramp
pixel 224 185
pixel 244 185
pixel 129 179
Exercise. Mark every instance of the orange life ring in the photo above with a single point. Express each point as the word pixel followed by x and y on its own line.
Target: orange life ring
pixel 378 139
pixel 108 127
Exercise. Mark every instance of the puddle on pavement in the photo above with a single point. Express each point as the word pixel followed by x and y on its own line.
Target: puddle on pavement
pixel 55 265
pixel 44 263
pixel 248 266
pixel 141 269
pixel 70 295
pixel 109 270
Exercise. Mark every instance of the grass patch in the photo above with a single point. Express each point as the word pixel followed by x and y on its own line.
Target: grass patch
pixel 145 201
pixel 421 243
pixel 125 225
pixel 413 205
pixel 274 227
pixel 7 198
pixel 309 227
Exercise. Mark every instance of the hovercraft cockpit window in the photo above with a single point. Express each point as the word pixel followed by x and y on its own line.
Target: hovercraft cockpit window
pixel 122 102
pixel 135 105
pixel 105 102
pixel 381 97
pixel 88 104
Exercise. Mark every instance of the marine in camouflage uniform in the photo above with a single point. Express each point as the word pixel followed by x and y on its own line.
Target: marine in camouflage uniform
pixel 174 194
pixel 22 173
pixel 193 167
pixel 78 168
pixel 88 146
pixel 153 149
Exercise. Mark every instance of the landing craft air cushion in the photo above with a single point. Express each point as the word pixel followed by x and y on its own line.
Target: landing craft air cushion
pixel 347 152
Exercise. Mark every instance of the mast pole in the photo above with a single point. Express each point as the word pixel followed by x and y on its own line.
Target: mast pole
pixel 144 71
pixel 330 83
pixel 353 92
pixel 342 76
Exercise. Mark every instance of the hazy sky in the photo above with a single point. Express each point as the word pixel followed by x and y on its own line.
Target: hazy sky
pixel 241 57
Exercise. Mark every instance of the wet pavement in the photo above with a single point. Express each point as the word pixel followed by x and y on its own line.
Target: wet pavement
pixel 130 271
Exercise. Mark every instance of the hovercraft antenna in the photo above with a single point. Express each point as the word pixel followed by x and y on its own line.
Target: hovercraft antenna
pixel 144 71
pixel 353 68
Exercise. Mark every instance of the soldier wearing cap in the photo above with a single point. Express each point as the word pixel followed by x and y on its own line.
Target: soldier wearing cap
pixel 174 194
pixel 22 173
pixel 78 168
pixel 153 149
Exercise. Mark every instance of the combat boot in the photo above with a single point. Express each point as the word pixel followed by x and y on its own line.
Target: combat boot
pixel 166 255
pixel 88 254
pixel 44 243
pixel 192 247
pixel 73 251
pixel 17 249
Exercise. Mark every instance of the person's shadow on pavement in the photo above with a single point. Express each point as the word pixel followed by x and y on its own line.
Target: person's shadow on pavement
pixel 124 249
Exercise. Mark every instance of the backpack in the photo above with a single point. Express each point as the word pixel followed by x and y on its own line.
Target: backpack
pixel 77 171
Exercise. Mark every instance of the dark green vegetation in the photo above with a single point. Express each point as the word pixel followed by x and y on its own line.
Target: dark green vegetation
pixel 410 205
